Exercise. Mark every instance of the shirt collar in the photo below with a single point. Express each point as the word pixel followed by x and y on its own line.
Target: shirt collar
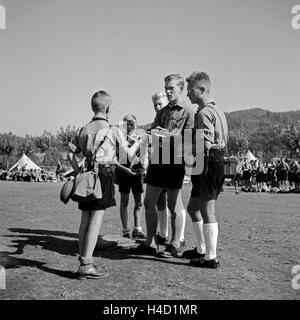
pixel 181 104
pixel 207 103
pixel 99 118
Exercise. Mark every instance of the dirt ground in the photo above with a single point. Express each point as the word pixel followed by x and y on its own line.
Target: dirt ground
pixel 259 243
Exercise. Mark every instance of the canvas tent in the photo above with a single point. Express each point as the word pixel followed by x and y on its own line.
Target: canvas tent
pixel 249 155
pixel 26 163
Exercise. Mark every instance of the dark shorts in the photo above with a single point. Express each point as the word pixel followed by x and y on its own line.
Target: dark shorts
pixel 108 191
pixel 246 175
pixel 127 182
pixel 208 186
pixel 282 175
pixel 165 175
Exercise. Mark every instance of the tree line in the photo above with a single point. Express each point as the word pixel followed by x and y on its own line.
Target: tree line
pixel 253 129
pixel 45 149
pixel 267 134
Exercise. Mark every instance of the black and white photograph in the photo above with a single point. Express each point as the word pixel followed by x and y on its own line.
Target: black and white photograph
pixel 149 153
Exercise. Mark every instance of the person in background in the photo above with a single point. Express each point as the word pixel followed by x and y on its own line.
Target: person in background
pixel 131 183
pixel 160 101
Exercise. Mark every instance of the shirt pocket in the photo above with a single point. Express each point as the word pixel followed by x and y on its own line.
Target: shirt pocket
pixel 177 122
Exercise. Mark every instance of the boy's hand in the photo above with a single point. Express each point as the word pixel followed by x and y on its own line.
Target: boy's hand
pixel 160 128
pixel 140 172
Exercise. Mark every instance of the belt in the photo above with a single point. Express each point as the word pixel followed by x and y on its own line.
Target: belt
pixel 216 147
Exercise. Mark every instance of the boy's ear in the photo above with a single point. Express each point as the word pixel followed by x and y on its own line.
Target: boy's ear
pixel 107 110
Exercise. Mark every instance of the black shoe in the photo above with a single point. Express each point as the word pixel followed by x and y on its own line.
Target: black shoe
pixel 142 249
pixel 171 251
pixel 161 240
pixel 139 235
pixel 90 272
pixel 192 254
pixel 202 263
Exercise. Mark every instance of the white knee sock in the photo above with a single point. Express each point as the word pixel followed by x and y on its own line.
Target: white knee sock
pixel 162 217
pixel 183 212
pixel 198 230
pixel 210 231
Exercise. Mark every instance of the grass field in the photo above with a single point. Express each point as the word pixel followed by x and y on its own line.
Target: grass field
pixel 259 243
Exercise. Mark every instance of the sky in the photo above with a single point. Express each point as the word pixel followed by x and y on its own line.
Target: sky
pixel 54 54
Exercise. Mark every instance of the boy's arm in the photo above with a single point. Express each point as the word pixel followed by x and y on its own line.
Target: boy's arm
pixel 73 149
pixel 73 162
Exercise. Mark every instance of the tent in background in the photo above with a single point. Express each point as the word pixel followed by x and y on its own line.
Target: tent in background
pixel 249 155
pixel 26 163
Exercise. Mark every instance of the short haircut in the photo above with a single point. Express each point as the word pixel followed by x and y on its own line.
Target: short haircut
pixel 177 77
pixel 197 76
pixel 129 117
pixel 159 95
pixel 104 100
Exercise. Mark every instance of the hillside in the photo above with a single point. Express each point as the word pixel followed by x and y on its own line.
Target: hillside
pixel 263 127
pixel 257 118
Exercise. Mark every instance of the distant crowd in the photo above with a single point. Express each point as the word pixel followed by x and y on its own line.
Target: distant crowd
pixel 277 176
pixel 23 174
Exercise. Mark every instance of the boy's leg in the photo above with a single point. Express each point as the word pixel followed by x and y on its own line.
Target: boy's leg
pixel 152 194
pixel 210 228
pixel 85 216
pixel 183 212
pixel 176 208
pixel 92 232
pixel 137 216
pixel 193 209
pixel 124 212
pixel 87 268
pixel 162 214
pixel 149 247
pixel 137 211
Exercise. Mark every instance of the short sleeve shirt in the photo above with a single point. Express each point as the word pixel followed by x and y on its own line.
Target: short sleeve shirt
pixel 89 137
pixel 175 118
pixel 212 120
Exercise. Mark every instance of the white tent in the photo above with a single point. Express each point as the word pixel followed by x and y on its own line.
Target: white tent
pixel 26 163
pixel 249 155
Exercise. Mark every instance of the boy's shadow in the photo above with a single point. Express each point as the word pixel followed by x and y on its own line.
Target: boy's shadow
pixel 47 240
pixel 50 240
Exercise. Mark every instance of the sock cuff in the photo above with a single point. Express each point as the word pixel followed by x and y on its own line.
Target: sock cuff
pixel 125 231
pixel 137 228
pixel 210 224
pixel 198 222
